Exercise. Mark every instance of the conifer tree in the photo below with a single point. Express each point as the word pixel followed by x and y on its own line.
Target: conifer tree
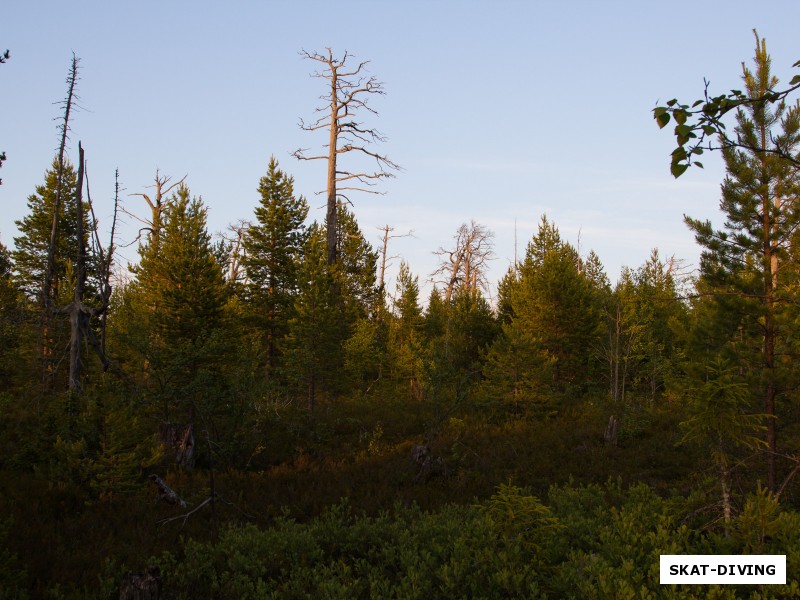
pixel 357 273
pixel 335 310
pixel 457 332
pixel 30 253
pixel 313 343
pixel 273 248
pixel 642 316
pixel 551 323
pixel 175 309
pixel 745 264
pixel 406 333
pixel 30 258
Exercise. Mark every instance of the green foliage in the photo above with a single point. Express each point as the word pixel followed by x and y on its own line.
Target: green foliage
pixel 171 320
pixel 718 417
pixel 457 333
pixel 365 352
pixel 747 269
pixel 698 125
pixel 552 323
pixel 316 330
pixel 337 314
pixel 406 338
pixel 522 517
pixel 761 519
pixel 30 248
pixel 643 315
pixel 273 248
pixel 468 380
pixel 590 542
pixel 12 322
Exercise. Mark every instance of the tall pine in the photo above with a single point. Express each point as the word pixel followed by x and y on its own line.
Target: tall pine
pixel 745 265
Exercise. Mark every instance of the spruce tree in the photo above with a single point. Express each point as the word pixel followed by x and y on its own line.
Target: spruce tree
pixel 175 310
pixel 336 310
pixel 457 332
pixel 551 324
pixel 30 258
pixel 273 248
pixel 357 271
pixel 313 345
pixel 405 342
pixel 30 248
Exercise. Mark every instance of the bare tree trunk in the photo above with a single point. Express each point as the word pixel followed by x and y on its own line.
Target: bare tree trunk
pixel 333 142
pixel 349 95
pixel 724 477
pixel 156 204
pixel 386 229
pixel 48 292
pixel 77 317
pixel 72 79
pixel 617 328
pixel 770 284
pixel 107 265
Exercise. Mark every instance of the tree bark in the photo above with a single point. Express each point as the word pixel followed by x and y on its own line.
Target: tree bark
pixel 333 142
pixel 76 314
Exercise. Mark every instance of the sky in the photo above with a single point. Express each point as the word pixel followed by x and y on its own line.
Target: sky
pixel 498 112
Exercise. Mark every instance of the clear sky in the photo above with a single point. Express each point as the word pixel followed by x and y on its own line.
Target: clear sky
pixel 497 111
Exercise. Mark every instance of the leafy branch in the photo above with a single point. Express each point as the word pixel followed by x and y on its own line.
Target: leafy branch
pixel 701 125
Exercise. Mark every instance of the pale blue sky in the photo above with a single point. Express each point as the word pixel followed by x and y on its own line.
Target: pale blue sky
pixel 498 111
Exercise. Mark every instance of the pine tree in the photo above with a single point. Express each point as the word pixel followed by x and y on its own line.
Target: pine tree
pixel 405 341
pixel 357 273
pixel 30 253
pixel 175 309
pixel 336 309
pixel 551 324
pixel 273 248
pixel 746 264
pixel 30 258
pixel 313 345
pixel 642 317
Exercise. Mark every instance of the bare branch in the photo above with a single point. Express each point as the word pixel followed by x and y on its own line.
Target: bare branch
pixel 464 266
pixel 349 92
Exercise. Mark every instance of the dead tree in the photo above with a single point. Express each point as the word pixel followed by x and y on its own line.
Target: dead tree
pixel 80 314
pixel 179 439
pixel 106 258
pixel 153 224
pixel 234 239
pixel 72 80
pixel 4 56
pixel 349 94
pixel 464 267
pixel 384 250
pixel 47 291
pixel 77 316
